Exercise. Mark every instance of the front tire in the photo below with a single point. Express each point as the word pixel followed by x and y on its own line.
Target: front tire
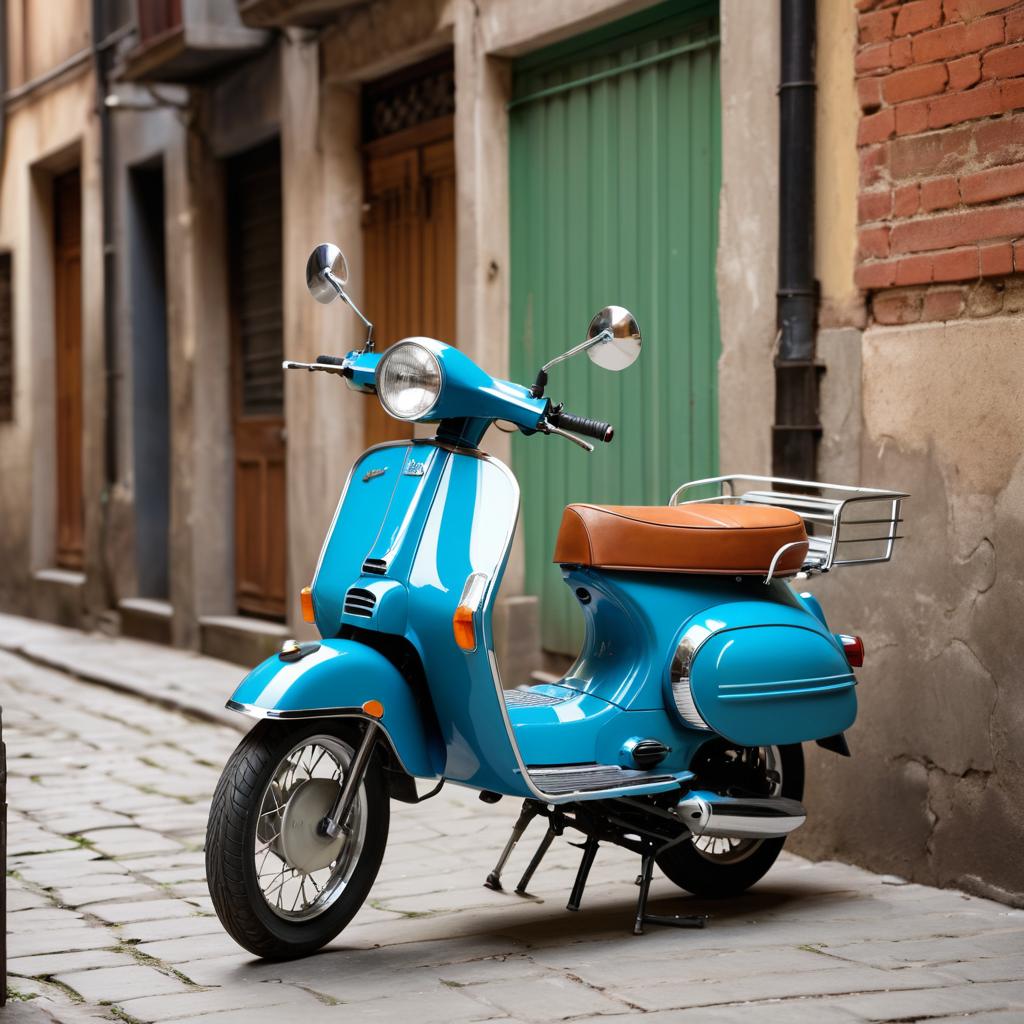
pixel 281 890
pixel 720 868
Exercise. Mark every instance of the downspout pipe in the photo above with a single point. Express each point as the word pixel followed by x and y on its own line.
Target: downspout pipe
pixel 797 428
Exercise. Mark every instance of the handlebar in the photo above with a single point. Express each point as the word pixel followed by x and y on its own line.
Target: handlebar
pixel 597 429
pixel 331 360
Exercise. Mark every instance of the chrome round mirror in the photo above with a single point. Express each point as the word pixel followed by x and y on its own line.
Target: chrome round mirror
pixel 326 261
pixel 621 343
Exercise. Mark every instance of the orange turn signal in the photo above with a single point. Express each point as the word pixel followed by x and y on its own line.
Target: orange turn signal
pixel 464 628
pixel 306 600
pixel 464 619
pixel 374 709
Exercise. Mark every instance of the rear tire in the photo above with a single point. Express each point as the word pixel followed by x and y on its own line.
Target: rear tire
pixel 731 872
pixel 235 875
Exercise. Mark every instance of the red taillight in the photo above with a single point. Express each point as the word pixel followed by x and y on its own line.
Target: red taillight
pixel 853 646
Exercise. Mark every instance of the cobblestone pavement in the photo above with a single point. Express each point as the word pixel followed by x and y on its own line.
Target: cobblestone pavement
pixel 110 919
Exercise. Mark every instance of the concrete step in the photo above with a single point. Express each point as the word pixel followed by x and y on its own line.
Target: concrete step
pixel 245 641
pixel 146 618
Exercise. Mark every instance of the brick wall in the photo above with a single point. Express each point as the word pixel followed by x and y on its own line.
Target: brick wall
pixel 941 143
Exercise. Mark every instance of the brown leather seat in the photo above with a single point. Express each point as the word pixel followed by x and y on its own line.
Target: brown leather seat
pixel 727 539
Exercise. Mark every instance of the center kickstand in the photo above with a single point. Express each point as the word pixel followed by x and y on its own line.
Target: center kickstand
pixel 545 845
pixel 586 863
pixel 526 815
pixel 642 917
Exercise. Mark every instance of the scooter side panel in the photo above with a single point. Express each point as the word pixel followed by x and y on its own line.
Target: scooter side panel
pixel 765 683
pixel 336 680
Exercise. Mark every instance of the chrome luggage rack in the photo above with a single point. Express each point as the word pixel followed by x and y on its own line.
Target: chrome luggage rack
pixel 845 525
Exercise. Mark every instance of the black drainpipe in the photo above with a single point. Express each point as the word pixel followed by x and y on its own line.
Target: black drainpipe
pixel 797 428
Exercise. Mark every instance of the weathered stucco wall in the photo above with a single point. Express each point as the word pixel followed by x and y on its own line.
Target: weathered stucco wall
pixel 935 789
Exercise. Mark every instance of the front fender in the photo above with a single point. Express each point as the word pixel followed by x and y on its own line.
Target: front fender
pixel 334 681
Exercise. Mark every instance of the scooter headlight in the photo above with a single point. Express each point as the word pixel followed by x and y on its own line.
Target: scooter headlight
pixel 408 380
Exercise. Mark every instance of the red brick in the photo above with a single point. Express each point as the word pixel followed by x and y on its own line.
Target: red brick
pixel 995 183
pixel 1011 95
pixel 875 275
pixel 875 27
pixel 956 229
pixel 942 304
pixel 874 205
pixel 1004 62
pixel 871 58
pixel 897 307
pixel 905 201
pixel 939 194
pixel 965 72
pixel 912 83
pixel 914 270
pixel 912 118
pixel 996 259
pixel 930 154
pixel 1015 25
pixel 958 265
pixel 967 10
pixel 869 93
pixel 901 53
pixel 872 242
pixel 873 162
pixel 1018 256
pixel 918 15
pixel 956 39
pixel 1000 141
pixel 876 127
pixel 982 101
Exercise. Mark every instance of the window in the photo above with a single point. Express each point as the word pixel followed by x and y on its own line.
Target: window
pixel 6 338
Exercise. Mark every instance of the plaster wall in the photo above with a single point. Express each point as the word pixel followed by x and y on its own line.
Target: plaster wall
pixel 935 790
pixel 41 36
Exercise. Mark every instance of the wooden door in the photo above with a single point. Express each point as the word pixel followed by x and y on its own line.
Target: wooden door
pixel 409 237
pixel 255 270
pixel 67 283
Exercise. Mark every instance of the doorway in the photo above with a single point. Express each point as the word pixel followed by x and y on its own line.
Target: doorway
pixel 150 372
pixel 255 269
pixel 67 281
pixel 409 220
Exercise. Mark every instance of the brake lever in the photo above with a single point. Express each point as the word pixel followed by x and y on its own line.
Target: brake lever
pixel 585 445
pixel 341 371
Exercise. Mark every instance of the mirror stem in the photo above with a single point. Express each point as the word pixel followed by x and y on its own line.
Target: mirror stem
pixel 344 296
pixel 597 339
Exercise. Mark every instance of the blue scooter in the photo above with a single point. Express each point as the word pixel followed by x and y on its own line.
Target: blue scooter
pixel 676 733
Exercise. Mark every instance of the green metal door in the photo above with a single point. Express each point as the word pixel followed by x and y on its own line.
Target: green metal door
pixel 615 172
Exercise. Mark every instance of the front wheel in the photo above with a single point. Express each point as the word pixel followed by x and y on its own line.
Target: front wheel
pixel 716 868
pixel 280 888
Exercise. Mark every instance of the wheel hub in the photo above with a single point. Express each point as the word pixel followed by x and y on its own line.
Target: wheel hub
pixel 302 845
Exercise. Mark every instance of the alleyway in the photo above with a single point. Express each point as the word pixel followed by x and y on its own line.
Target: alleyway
pixel 110 919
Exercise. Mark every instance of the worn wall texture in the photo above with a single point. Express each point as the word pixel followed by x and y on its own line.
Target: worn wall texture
pixel 930 399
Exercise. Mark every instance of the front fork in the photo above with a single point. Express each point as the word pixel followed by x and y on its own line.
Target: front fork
pixel 333 823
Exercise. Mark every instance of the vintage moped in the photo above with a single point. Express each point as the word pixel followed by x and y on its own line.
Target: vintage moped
pixel 676 733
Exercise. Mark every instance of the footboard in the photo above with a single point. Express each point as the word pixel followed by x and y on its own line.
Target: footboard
pixel 845 525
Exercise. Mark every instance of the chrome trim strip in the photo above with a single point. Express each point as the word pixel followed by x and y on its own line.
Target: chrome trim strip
pixel 270 714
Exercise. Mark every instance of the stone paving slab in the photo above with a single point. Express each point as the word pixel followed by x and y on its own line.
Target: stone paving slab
pixel 110 919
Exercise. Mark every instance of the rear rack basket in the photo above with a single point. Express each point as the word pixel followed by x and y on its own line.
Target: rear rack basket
pixel 845 525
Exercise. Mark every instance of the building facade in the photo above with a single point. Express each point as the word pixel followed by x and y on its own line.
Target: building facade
pixel 495 172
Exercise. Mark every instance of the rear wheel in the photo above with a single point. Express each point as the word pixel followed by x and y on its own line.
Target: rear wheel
pixel 280 888
pixel 716 868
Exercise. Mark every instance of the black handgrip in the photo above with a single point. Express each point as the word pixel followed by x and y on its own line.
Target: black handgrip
pixel 331 360
pixel 597 429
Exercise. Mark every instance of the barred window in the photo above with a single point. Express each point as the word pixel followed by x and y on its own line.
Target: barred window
pixel 6 339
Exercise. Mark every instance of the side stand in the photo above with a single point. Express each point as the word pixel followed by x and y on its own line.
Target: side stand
pixel 526 815
pixel 642 917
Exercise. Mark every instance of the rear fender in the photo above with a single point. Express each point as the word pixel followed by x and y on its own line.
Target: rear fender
pixel 335 680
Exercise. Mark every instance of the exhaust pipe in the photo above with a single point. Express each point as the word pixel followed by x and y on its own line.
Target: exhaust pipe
pixel 764 817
